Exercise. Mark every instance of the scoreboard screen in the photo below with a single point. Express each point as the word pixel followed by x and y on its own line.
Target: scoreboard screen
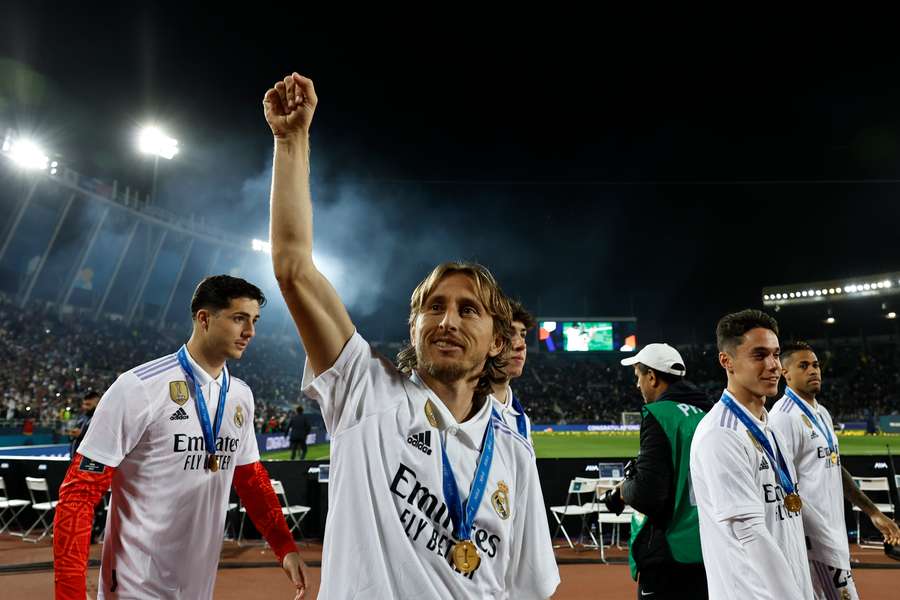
pixel 573 335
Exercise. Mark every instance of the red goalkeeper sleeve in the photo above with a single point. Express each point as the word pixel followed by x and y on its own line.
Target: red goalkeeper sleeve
pixel 85 483
pixel 254 487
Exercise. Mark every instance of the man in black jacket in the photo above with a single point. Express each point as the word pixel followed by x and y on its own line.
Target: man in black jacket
pixel 665 546
pixel 297 432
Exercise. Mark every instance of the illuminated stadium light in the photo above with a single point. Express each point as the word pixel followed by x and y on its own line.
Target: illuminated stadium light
pixel 830 321
pixel 793 295
pixel 867 287
pixel 152 140
pixel 837 290
pixel 765 296
pixel 887 283
pixel 830 290
pixel 27 155
pixel 810 292
pixel 261 246
pixel 818 292
pixel 891 315
pixel 54 167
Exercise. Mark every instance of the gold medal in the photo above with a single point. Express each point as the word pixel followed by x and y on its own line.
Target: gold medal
pixel 429 413
pixel 793 502
pixel 834 458
pixel 213 463
pixel 465 556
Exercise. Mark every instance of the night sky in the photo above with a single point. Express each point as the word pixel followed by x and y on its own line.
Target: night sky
pixel 595 176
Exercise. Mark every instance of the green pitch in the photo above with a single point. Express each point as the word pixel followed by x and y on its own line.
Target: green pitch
pixel 623 445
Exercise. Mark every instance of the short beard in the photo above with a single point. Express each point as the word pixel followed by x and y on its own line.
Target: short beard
pixel 446 374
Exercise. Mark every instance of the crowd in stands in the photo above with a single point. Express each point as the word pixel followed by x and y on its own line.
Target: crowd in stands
pixel 48 362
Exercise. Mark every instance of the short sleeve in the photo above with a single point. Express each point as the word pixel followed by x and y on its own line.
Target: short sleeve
pixel 119 422
pixel 726 467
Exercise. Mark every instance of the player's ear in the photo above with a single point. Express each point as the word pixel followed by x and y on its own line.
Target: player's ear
pixel 726 361
pixel 202 319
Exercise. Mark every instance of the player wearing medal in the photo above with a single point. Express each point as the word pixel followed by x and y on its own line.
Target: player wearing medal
pixel 751 531
pixel 169 438
pixel 806 427
pixel 432 495
pixel 507 404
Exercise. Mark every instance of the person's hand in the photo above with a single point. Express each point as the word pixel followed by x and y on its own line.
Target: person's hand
pixel 295 569
pixel 289 106
pixel 887 527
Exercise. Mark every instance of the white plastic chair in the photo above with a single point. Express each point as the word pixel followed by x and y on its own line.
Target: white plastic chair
pixel 290 512
pixel 37 487
pixel 872 484
pixel 10 505
pixel 577 487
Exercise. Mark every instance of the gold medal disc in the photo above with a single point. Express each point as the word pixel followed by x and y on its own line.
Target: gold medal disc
pixel 465 556
pixel 793 502
pixel 214 463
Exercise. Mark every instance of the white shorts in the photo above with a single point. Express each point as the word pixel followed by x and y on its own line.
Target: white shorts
pixel 830 583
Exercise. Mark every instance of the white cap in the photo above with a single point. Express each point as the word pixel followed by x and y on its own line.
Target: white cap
pixel 659 357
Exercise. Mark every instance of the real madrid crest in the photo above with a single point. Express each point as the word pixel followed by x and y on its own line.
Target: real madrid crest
pixel 238 416
pixel 178 392
pixel 500 500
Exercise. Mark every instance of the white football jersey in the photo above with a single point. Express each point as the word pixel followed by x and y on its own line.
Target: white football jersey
pixel 511 416
pixel 166 517
pixel 733 478
pixel 820 479
pixel 389 532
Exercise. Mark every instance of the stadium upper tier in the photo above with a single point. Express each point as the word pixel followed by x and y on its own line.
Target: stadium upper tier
pixel 48 361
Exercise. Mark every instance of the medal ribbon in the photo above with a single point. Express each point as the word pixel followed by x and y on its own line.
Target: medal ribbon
pixel 209 435
pixel 812 417
pixel 462 514
pixel 521 423
pixel 778 464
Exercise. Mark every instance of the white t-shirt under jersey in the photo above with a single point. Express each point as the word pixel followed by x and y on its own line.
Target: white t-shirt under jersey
pixel 510 415
pixel 389 533
pixel 733 479
pixel 166 518
pixel 820 480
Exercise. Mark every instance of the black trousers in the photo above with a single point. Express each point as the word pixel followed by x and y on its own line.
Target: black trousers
pixel 301 444
pixel 673 581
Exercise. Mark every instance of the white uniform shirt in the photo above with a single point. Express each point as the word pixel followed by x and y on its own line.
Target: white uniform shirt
pixel 389 532
pixel 166 519
pixel 820 480
pixel 510 415
pixel 733 479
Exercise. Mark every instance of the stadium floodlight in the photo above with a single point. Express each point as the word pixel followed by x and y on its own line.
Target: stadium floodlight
pixel 887 283
pixel 838 290
pixel 28 155
pixel 830 320
pixel 261 246
pixel 891 315
pixel 765 296
pixel 152 140
pixel 830 290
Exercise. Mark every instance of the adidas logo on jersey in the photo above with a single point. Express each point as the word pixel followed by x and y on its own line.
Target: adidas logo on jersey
pixel 814 435
pixel 422 441
pixel 179 415
pixel 764 464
